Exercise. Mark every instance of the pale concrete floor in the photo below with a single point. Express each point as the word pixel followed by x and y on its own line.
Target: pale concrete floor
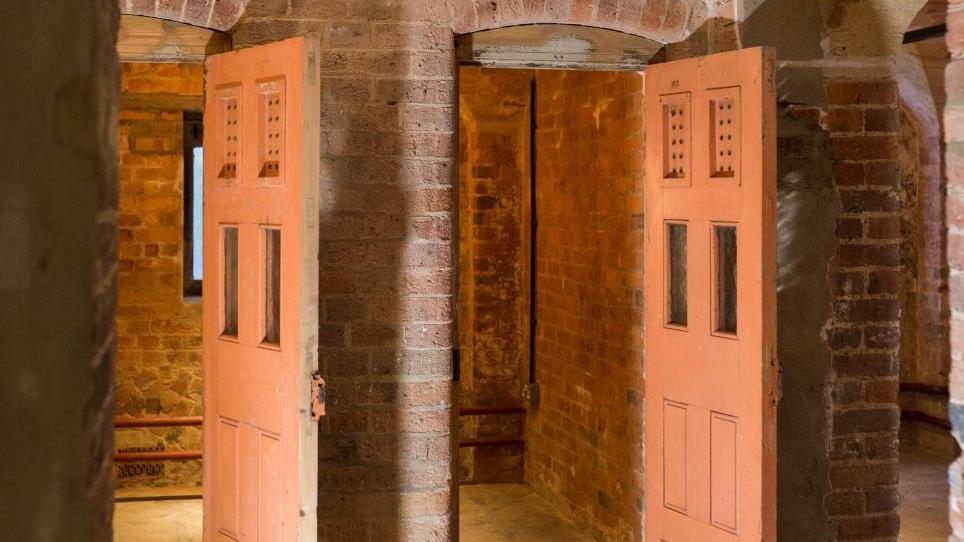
pixel 488 513
pixel 512 513
pixel 158 521
pixel 923 496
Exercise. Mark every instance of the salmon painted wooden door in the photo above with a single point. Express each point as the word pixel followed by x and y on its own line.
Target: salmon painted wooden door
pixel 710 299
pixel 260 297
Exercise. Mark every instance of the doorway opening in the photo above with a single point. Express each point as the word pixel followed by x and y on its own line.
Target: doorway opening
pixel 158 437
pixel 926 444
pixel 560 409
pixel 550 373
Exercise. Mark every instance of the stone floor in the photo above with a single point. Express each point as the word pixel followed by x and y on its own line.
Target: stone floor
pixel 923 495
pixel 489 513
pixel 175 519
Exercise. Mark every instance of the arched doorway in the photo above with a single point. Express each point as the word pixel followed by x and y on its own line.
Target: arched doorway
pixel 158 365
pixel 550 282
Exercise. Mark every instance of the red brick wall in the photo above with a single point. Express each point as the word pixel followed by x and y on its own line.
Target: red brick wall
pixel 864 332
pixel 158 366
pixel 954 164
pixel 584 440
pixel 494 175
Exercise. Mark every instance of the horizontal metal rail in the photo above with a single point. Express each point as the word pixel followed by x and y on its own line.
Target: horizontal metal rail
pixel 151 498
pixel 483 411
pixel 126 422
pixel 163 455
pixel 913 415
pixel 480 442
pixel 927 389
pixel 486 411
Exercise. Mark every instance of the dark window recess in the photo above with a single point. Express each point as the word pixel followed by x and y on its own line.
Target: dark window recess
pixel 272 286
pixel 725 283
pixel 193 201
pixel 676 259
pixel 230 302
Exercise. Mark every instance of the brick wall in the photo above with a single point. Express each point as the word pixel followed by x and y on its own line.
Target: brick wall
pixel 864 329
pixel 954 164
pixel 494 175
pixel 584 441
pixel 158 366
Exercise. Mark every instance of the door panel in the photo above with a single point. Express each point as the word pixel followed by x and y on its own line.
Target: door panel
pixel 260 303
pixel 674 457
pixel 710 308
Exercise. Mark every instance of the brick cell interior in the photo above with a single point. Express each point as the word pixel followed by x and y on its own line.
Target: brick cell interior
pixel 158 366
pixel 924 357
pixel 583 441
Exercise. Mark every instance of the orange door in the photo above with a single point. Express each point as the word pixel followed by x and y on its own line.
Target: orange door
pixel 710 299
pixel 260 296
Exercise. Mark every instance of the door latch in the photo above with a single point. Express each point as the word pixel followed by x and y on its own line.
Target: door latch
pixel 319 394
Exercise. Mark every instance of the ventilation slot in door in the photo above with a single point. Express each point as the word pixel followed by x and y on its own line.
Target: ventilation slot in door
pixel 229 279
pixel 272 286
pixel 271 129
pixel 724 131
pixel 676 295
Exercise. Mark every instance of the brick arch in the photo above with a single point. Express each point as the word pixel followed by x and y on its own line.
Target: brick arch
pixel 213 14
pixel 665 21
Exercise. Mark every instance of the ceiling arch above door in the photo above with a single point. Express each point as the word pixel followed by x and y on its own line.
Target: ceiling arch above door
pixel 213 14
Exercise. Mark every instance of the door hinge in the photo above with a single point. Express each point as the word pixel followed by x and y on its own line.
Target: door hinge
pixel 319 394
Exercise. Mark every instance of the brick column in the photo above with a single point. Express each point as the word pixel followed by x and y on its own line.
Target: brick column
pixel 387 116
pixel 864 332
pixel 954 166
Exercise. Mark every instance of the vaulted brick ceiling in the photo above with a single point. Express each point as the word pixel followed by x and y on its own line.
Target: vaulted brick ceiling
pixel 666 21
pixel 932 14
pixel 216 14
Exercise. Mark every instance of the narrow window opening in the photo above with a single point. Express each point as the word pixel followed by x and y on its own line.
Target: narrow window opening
pixel 725 280
pixel 272 286
pixel 193 191
pixel 230 302
pixel 676 260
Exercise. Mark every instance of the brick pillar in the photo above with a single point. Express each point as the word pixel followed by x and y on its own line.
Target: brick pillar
pixel 954 167
pixel 863 332
pixel 59 238
pixel 387 116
